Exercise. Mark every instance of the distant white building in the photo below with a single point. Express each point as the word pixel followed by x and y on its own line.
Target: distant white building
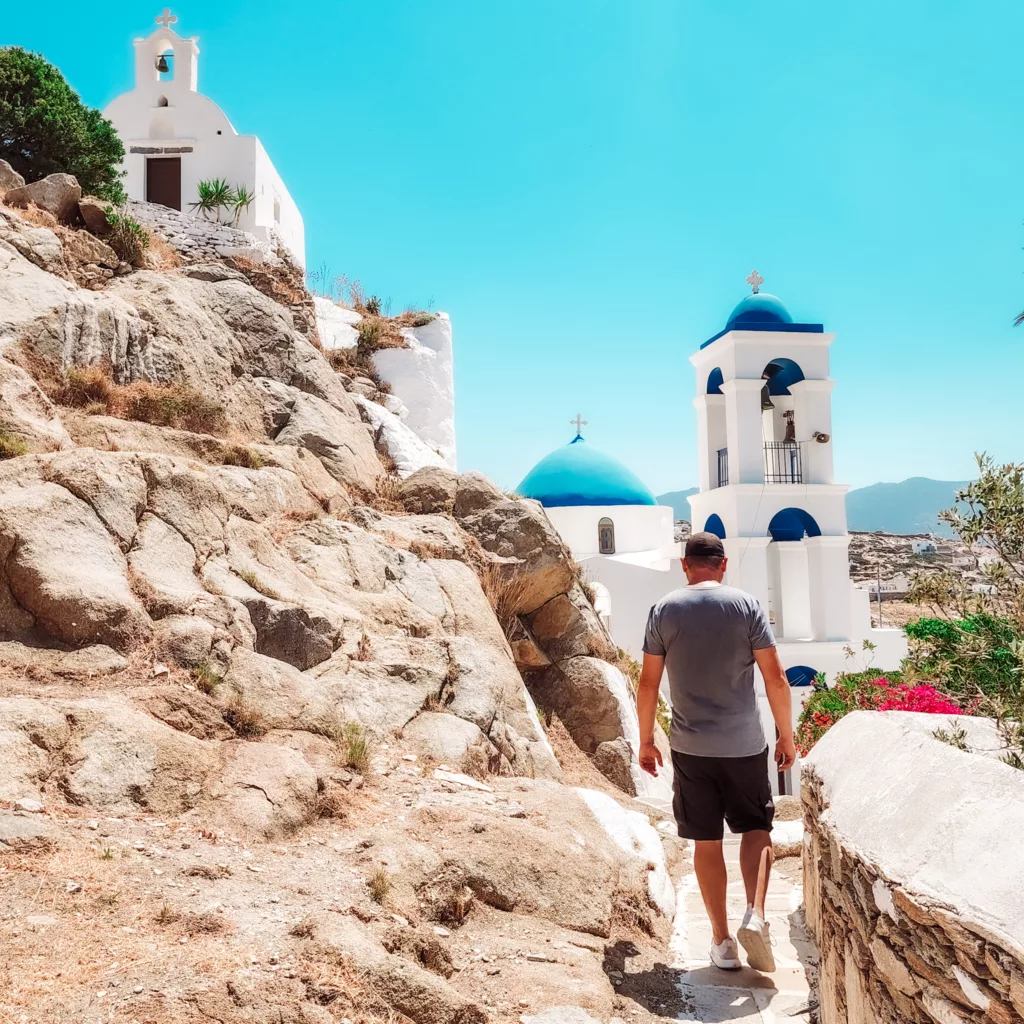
pixel 923 547
pixel 896 585
pixel 174 138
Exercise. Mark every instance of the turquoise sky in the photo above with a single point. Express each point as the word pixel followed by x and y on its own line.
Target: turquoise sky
pixel 584 185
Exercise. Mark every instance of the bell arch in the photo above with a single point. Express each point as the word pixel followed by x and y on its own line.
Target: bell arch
pixel 793 524
pixel 715 525
pixel 715 379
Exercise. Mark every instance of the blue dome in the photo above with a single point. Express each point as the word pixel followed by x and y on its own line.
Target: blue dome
pixel 757 310
pixel 580 475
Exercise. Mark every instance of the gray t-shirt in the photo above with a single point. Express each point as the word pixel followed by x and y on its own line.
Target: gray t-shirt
pixel 707 634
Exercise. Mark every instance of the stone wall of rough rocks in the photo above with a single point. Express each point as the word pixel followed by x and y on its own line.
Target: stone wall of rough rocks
pixel 197 239
pixel 901 940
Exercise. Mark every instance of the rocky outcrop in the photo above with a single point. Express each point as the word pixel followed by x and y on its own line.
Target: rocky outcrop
pixel 910 881
pixel 57 194
pixel 9 177
pixel 267 663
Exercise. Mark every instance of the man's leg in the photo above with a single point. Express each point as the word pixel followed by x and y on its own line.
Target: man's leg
pixel 709 866
pixel 756 859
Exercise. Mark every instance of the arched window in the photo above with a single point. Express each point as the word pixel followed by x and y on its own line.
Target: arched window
pixel 715 525
pixel 715 381
pixel 606 536
pixel 780 373
pixel 162 101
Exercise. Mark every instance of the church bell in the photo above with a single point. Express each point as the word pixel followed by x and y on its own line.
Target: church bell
pixel 766 401
pixel 161 65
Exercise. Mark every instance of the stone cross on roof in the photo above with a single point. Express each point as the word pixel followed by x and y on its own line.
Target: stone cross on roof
pixel 579 423
pixel 166 19
pixel 755 280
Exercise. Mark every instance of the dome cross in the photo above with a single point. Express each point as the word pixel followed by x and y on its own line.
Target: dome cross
pixel 579 423
pixel 166 19
pixel 755 280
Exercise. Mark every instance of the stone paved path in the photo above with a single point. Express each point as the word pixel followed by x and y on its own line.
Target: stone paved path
pixel 745 995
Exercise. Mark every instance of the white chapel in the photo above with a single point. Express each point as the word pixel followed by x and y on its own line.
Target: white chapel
pixel 615 529
pixel 175 137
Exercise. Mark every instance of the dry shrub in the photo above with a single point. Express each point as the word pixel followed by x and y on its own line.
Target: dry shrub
pixel 447 898
pixel 34 215
pixel 171 405
pixel 11 446
pixel 632 912
pixel 161 252
pixel 332 802
pixel 205 677
pixel 505 587
pixel 242 455
pixel 248 722
pixel 303 929
pixel 354 749
pixel 210 872
pixel 85 387
pixel 204 924
pixel 380 884
pixel 165 405
pixel 126 236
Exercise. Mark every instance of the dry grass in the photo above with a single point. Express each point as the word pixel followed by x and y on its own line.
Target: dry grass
pixel 354 748
pixel 380 884
pixel 205 677
pixel 304 929
pixel 161 252
pixel 505 587
pixel 249 577
pixel 11 446
pixel 165 405
pixel 248 722
pixel 34 215
pixel 242 455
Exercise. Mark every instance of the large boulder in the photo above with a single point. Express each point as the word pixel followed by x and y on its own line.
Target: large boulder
pixel 431 489
pixel 529 558
pixel 26 413
pixel 451 740
pixel 94 212
pixel 567 627
pixel 263 789
pixel 56 193
pixel 64 572
pixel 9 177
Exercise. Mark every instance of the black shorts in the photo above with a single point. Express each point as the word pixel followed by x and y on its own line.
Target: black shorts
pixel 708 790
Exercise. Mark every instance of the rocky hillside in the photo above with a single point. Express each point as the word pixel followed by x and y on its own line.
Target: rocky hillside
pixel 269 740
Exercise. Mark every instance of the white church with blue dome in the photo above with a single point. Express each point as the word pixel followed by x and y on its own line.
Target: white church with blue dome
pixel 616 530
pixel 765 458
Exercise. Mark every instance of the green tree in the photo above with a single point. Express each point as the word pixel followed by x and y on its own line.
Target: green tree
pixel 45 128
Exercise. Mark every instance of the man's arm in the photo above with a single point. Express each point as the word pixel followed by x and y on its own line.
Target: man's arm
pixel 780 698
pixel 646 710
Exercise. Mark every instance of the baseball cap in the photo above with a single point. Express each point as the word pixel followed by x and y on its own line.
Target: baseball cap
pixel 704 545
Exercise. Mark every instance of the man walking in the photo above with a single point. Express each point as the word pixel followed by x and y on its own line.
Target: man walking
pixel 709 637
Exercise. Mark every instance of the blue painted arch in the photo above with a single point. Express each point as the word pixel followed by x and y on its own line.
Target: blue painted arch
pixel 715 381
pixel 801 675
pixel 780 373
pixel 793 524
pixel 715 525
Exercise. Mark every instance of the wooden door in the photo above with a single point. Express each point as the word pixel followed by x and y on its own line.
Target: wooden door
pixel 163 181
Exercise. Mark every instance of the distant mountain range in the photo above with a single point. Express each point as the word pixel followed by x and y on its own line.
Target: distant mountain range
pixel 912 506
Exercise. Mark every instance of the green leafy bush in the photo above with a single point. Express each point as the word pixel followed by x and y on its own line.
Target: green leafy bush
pixel 46 129
pixel 215 194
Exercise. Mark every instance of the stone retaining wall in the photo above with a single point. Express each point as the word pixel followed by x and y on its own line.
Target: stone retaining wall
pixel 913 874
pixel 199 240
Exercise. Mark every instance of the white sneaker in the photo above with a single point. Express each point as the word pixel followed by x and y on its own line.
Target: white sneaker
pixel 726 954
pixel 756 940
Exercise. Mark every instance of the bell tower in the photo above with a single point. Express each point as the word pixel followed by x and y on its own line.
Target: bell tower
pixel 164 61
pixel 764 426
